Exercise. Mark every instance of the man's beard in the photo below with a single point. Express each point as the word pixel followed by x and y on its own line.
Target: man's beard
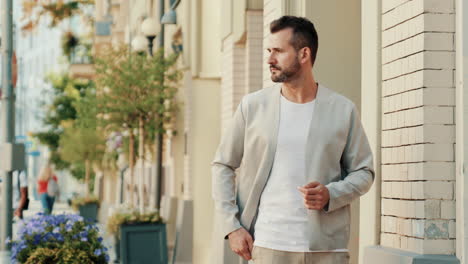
pixel 286 74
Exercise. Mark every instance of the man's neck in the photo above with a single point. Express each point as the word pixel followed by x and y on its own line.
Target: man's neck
pixel 300 90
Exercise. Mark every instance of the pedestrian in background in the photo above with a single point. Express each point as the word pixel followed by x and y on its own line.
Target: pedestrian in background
pixel 47 188
pixel 20 193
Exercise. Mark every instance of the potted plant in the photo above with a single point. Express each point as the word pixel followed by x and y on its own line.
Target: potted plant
pixel 69 43
pixel 137 94
pixel 58 239
pixel 87 206
pixel 139 238
pixel 83 142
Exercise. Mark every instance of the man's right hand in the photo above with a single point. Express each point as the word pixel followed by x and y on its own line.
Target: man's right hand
pixel 241 243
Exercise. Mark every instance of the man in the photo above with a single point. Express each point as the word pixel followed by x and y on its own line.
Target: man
pixel 304 158
pixel 20 193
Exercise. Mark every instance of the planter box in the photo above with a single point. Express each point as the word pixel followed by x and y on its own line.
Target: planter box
pixel 117 249
pixel 89 211
pixel 143 243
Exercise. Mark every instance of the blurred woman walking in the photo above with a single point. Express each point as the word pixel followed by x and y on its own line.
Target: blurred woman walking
pixel 47 188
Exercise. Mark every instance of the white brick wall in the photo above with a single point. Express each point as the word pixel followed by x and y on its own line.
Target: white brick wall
pixel 426 22
pixel 419 190
pixel 271 11
pixel 418 126
pixel 254 51
pixel 242 67
pixel 227 106
pixel 411 9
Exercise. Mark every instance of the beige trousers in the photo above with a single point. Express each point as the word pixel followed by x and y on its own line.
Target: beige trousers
pixel 269 256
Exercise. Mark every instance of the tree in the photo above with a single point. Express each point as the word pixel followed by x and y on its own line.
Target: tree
pixel 137 91
pixel 58 10
pixel 84 141
pixel 60 113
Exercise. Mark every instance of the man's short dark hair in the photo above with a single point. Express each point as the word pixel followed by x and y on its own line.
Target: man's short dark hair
pixel 304 33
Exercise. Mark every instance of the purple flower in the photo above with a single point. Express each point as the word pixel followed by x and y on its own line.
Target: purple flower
pixel 52 231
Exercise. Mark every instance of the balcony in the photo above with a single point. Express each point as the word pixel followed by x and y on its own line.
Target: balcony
pixel 81 63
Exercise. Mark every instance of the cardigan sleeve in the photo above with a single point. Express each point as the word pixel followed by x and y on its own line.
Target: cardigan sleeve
pixel 227 159
pixel 356 165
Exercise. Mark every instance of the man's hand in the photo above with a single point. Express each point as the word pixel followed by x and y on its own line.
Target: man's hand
pixel 241 243
pixel 315 194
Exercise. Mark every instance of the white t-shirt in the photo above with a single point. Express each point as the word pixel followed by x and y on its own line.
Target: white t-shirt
pixel 23 183
pixel 282 217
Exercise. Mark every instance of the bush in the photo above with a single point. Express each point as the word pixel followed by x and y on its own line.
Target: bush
pixel 58 239
pixel 80 201
pixel 42 255
pixel 130 216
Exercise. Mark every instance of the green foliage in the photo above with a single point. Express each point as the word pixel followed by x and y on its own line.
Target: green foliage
pixel 69 42
pixel 59 256
pixel 132 86
pixel 130 216
pixel 58 10
pixel 81 144
pixel 84 142
pixel 65 239
pixel 80 201
pixel 61 113
pixel 78 170
pixel 74 256
pixel 42 255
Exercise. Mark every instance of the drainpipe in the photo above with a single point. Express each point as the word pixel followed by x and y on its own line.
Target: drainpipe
pixel 160 136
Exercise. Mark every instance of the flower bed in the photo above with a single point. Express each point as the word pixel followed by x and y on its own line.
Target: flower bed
pixel 58 239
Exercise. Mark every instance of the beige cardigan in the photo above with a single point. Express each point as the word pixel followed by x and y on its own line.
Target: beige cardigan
pixel 338 155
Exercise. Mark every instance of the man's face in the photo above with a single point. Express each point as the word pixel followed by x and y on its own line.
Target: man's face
pixel 283 58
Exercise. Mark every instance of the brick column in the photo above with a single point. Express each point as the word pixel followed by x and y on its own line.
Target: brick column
pixel 254 51
pixel 241 73
pixel 418 128
pixel 232 78
pixel 272 9
pixel 242 65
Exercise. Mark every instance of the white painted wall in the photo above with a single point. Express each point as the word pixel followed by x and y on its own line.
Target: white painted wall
pixel 369 220
pixel 210 39
pixel 338 65
pixel 206 133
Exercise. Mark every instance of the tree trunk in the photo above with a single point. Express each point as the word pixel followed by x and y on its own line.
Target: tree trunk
pixel 132 167
pixel 141 152
pixel 87 169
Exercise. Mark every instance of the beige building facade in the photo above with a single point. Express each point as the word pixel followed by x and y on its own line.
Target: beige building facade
pixel 402 62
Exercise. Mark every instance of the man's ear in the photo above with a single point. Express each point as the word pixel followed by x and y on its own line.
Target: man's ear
pixel 304 54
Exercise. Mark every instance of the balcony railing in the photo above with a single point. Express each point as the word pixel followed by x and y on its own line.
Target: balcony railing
pixel 81 63
pixel 80 55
